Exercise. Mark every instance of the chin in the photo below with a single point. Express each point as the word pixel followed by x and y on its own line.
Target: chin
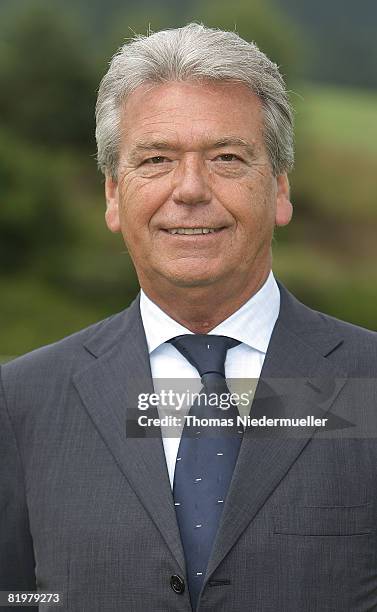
pixel 191 279
pixel 182 273
pixel 191 282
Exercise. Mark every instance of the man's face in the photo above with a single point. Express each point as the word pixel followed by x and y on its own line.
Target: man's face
pixel 193 158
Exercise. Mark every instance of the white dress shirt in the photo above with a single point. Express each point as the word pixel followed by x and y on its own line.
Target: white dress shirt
pixel 252 325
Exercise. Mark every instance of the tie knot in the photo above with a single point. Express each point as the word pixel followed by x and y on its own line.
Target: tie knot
pixel 205 352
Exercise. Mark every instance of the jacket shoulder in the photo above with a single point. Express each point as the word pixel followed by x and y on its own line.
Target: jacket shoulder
pixel 358 350
pixel 350 346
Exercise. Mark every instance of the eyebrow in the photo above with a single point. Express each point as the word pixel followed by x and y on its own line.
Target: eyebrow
pixel 163 145
pixel 234 142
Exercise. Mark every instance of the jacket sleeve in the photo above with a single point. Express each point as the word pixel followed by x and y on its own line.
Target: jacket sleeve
pixel 16 546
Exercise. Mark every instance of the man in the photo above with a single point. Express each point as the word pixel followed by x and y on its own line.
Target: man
pixel 194 135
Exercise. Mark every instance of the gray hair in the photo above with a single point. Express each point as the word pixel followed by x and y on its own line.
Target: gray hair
pixel 193 52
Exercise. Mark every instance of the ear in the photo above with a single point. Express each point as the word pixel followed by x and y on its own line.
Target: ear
pixel 284 208
pixel 112 204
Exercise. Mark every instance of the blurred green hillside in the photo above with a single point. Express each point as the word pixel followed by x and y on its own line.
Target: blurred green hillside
pixel 62 270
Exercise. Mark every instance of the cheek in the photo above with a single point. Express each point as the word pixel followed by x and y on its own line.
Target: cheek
pixel 138 204
pixel 243 201
pixel 254 210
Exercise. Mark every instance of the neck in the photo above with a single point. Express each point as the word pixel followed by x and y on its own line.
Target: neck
pixel 201 309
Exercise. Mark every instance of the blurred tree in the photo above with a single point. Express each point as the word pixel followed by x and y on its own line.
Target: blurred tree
pixel 48 83
pixel 34 224
pixel 126 23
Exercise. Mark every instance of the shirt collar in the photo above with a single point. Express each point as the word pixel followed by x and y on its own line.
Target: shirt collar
pixel 251 324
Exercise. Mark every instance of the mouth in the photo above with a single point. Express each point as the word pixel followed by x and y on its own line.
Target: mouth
pixel 193 231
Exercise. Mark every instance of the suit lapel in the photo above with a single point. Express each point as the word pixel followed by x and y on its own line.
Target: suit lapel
pixel 296 380
pixel 109 388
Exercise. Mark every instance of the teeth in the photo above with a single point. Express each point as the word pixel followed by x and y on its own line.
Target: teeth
pixel 192 230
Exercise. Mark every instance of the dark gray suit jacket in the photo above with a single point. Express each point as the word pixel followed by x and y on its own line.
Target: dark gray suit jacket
pixel 87 511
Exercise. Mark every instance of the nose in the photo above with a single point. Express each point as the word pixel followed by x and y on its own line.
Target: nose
pixel 190 182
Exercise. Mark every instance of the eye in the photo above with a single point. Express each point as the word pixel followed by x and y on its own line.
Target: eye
pixel 156 159
pixel 228 157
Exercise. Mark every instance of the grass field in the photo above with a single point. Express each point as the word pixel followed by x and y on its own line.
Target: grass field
pixel 335 175
pixel 347 117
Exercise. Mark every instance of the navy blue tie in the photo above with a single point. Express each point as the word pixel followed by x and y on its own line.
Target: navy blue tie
pixel 206 457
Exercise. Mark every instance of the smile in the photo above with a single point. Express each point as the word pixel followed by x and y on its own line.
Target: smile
pixel 188 231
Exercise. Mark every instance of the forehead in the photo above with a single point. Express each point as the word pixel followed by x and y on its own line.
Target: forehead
pixel 192 111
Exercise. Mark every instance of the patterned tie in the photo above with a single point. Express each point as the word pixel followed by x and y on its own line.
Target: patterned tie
pixel 206 457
